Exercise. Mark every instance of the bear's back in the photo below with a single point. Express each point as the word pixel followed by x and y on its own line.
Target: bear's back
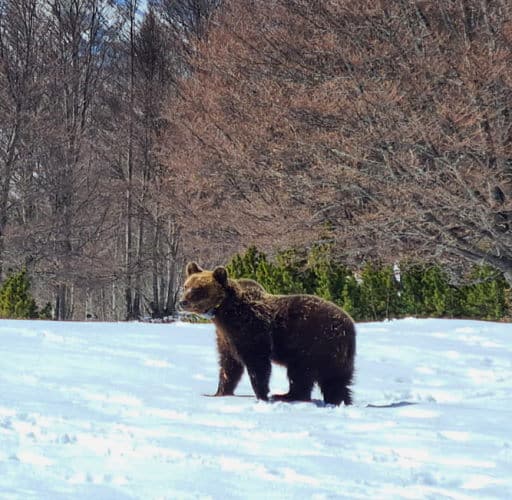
pixel 306 326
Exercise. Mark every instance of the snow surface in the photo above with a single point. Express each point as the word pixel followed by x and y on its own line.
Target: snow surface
pixel 115 411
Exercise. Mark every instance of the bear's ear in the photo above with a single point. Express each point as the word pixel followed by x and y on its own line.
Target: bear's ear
pixel 221 275
pixel 193 268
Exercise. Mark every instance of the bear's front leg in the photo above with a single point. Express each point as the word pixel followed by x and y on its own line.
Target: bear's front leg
pixel 231 369
pixel 230 374
pixel 259 369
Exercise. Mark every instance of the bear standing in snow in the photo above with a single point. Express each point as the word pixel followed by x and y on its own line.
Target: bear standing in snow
pixel 313 338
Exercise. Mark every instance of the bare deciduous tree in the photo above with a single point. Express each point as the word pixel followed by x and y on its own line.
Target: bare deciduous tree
pixel 385 127
pixel 20 36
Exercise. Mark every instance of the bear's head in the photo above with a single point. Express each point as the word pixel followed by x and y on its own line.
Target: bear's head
pixel 203 291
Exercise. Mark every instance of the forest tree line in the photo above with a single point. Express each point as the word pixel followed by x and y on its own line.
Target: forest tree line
pixel 375 292
pixel 378 291
pixel 134 137
pixel 86 201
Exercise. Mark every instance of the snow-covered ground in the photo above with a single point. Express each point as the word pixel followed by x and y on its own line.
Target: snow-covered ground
pixel 114 411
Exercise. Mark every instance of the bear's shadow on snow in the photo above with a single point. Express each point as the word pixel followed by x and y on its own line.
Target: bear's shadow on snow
pixel 317 402
pixel 398 404
pixel 320 403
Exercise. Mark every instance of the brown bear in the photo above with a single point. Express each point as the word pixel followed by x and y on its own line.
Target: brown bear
pixel 313 338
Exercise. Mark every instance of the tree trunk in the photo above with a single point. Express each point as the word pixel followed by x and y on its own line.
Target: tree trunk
pixel 5 188
pixel 130 313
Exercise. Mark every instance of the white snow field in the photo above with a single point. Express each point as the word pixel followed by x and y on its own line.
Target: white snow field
pixel 116 411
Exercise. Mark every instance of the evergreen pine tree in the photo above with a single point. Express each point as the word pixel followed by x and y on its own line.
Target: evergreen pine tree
pixel 486 298
pixel 411 289
pixel 15 299
pixel 379 292
pixel 426 291
pixel 266 275
pixel 328 276
pixel 351 299
pixel 437 292
pixel 246 265
pixel 291 274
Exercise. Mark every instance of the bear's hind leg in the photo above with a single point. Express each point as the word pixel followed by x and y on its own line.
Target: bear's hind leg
pixel 301 385
pixel 335 389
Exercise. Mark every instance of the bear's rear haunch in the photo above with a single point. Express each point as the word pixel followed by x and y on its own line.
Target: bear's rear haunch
pixel 313 338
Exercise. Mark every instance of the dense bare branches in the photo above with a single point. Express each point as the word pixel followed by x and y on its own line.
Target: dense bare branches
pixel 84 203
pixel 19 39
pixel 128 138
pixel 383 126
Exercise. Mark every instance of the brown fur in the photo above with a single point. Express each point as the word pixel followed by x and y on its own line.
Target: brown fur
pixel 251 288
pixel 313 338
pixel 230 368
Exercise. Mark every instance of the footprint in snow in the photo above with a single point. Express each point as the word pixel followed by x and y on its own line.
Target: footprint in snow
pixel 157 363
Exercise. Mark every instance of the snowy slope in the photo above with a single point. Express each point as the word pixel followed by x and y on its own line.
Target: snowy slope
pixel 114 411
